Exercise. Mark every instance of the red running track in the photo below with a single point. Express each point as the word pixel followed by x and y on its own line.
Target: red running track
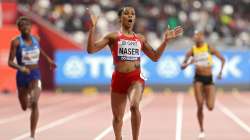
pixel 164 117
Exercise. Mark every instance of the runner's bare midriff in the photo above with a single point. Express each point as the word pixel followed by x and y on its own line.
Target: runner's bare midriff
pixel 127 66
pixel 203 70
pixel 31 67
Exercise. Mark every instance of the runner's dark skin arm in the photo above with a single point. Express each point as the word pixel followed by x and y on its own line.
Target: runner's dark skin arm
pixel 12 55
pixel 49 60
pixel 95 46
pixel 187 56
pixel 154 55
pixel 218 55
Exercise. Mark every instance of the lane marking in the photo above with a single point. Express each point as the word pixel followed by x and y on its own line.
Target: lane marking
pixel 63 120
pixel 179 116
pixel 45 107
pixel 233 117
pixel 125 119
pixel 43 110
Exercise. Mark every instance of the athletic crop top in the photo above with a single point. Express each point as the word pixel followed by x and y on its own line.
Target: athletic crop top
pixel 28 55
pixel 202 55
pixel 126 48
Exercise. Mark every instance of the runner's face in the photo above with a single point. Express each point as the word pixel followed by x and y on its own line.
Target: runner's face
pixel 24 27
pixel 198 38
pixel 128 17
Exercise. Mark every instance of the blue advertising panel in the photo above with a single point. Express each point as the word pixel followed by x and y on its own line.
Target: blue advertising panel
pixel 80 68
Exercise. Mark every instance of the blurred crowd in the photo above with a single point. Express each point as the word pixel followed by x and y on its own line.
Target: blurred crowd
pixel 225 22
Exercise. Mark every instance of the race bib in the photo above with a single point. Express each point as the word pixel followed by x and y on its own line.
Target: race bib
pixel 129 50
pixel 201 59
pixel 30 55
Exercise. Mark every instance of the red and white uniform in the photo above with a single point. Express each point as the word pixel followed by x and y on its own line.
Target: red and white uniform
pixel 126 48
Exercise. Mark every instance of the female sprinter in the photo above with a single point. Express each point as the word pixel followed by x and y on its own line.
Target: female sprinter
pixel 126 47
pixel 26 49
pixel 204 89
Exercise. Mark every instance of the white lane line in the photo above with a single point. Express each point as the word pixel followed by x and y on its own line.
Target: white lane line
pixel 125 118
pixel 23 115
pixel 46 109
pixel 63 120
pixel 233 117
pixel 179 116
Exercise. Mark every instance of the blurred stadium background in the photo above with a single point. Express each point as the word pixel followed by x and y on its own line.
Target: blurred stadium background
pixel 63 26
